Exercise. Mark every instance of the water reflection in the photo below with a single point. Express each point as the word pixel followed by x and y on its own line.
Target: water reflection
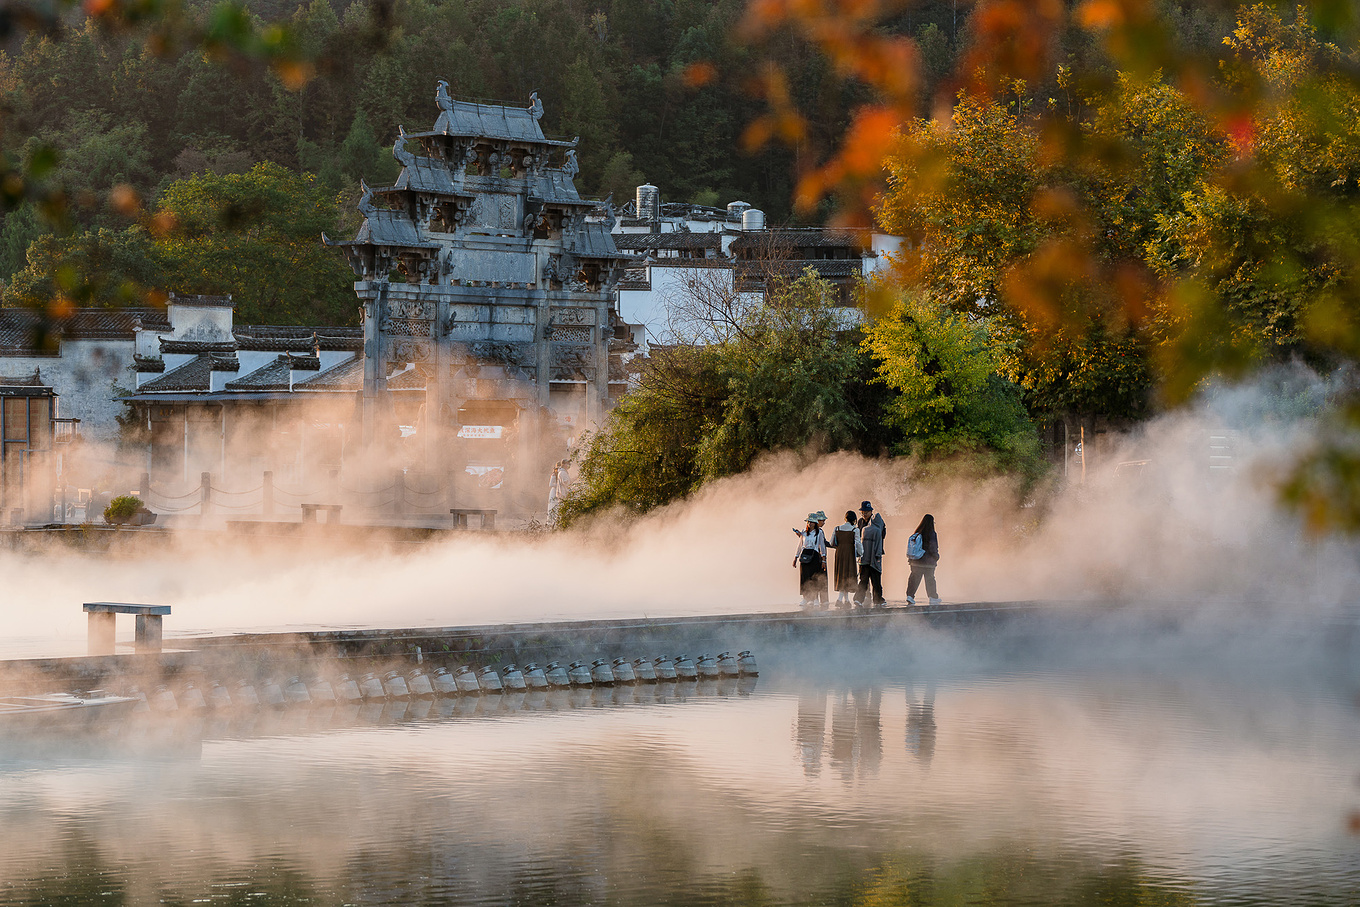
pixel 1031 791
pixel 920 735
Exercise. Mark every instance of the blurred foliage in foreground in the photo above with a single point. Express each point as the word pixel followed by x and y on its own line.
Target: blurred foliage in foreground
pixel 1130 208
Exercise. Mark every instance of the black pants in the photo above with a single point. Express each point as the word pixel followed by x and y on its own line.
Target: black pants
pixel 919 572
pixel 810 578
pixel 868 575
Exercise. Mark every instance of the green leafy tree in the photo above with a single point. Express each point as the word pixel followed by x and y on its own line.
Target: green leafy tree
pixel 950 398
pixel 788 374
pixel 256 235
pixel 104 268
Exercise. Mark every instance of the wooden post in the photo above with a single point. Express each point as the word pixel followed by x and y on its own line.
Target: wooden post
pixel 205 499
pixel 268 493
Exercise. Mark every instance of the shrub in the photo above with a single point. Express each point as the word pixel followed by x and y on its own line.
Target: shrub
pixel 122 508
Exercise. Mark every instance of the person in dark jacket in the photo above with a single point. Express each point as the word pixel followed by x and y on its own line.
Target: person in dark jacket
pixel 923 567
pixel 871 561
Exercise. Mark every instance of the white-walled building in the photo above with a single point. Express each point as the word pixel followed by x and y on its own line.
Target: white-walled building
pixel 687 253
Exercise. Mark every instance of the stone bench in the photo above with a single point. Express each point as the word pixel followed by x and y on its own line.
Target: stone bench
pixel 460 517
pixel 309 512
pixel 102 617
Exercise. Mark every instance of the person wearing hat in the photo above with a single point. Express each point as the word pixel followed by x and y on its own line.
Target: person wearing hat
pixel 810 558
pixel 824 590
pixel 871 535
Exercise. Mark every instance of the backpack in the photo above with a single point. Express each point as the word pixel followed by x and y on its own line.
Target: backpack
pixel 916 547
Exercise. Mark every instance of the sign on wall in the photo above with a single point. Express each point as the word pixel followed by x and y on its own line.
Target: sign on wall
pixel 480 431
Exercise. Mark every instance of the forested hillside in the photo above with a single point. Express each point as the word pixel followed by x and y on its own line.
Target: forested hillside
pixel 657 90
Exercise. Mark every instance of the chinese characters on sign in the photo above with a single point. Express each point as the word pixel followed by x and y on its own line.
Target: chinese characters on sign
pixel 480 431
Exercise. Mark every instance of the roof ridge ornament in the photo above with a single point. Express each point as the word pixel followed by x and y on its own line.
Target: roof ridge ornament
pixel 404 157
pixel 535 106
pixel 441 96
pixel 366 206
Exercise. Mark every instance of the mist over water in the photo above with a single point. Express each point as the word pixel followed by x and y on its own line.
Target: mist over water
pixel 1172 535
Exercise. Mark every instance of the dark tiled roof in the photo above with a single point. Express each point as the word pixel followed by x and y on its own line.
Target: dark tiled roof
pixel 20 327
pixel 275 375
pixel 291 339
pixel 647 241
pixel 492 121
pixel 33 380
pixel 347 376
pixel 191 376
pixel 223 302
pixel 592 241
pixel 554 187
pixel 633 285
pixel 26 390
pixel 790 238
pixel 691 263
pixel 425 174
pixel 197 346
pixel 391 228
pixel 409 380
pixel 148 363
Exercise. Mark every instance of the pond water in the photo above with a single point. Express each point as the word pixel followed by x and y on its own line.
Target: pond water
pixel 872 787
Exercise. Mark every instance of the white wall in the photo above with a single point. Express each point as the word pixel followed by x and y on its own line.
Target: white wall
pixel 84 377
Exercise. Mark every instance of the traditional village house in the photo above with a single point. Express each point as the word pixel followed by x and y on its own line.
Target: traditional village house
pixel 239 401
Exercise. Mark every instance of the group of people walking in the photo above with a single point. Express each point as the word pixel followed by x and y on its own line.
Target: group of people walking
pixel 858 543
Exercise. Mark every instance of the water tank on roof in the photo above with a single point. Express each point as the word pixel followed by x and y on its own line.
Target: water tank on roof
pixel 736 209
pixel 648 202
pixel 753 219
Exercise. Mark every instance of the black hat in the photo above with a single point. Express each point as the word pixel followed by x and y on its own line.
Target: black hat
pixel 865 505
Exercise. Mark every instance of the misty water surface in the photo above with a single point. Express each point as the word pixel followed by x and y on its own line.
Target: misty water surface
pixel 877 787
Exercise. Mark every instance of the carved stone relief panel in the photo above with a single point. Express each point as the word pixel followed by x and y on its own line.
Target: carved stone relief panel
pixel 572 334
pixel 410 308
pixel 411 350
pixel 573 316
pixel 407 328
pixel 572 362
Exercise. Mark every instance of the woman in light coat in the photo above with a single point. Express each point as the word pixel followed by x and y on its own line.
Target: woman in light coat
pixel 809 557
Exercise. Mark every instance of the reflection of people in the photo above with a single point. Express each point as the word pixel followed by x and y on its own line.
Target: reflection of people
pixel 810 732
pixel 848 547
pixel 856 733
pixel 808 558
pixel 923 565
pixel 871 561
pixel 920 738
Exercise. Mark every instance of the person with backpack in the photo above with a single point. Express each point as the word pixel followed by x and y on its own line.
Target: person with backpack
pixel 923 554
pixel 809 558
pixel 871 560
